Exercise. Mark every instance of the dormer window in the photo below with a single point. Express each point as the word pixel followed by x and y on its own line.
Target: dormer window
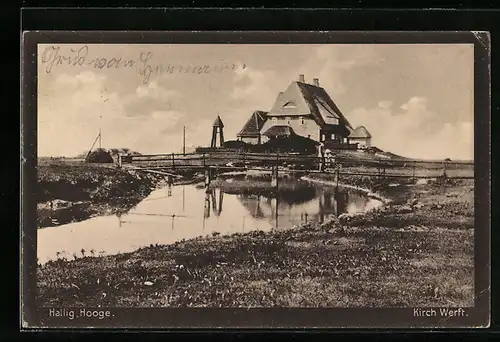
pixel 288 120
pixel 290 104
pixel 330 120
pixel 275 120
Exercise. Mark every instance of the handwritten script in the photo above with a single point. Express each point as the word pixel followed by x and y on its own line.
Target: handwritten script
pixel 145 66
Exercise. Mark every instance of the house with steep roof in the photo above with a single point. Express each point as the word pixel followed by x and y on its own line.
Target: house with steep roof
pixel 250 133
pixel 361 136
pixel 310 112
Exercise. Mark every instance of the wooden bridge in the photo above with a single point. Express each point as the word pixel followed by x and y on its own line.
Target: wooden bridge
pixel 172 165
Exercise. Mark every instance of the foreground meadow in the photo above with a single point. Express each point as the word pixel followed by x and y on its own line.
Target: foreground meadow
pixel 415 251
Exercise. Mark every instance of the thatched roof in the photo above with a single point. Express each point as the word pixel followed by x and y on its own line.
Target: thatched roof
pixel 218 122
pixel 307 99
pixel 254 124
pixel 360 132
pixel 279 130
pixel 99 156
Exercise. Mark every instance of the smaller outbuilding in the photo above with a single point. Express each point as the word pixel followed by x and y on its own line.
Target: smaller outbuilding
pixel 361 136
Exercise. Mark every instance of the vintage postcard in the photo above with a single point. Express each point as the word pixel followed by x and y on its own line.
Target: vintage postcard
pixel 205 181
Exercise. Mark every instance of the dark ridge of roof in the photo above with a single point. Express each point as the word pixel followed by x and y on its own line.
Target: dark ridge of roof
pixel 218 122
pixel 360 132
pixel 317 96
pixel 254 124
pixel 279 130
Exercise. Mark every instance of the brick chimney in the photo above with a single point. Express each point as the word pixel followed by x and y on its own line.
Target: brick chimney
pixel 301 78
pixel 316 82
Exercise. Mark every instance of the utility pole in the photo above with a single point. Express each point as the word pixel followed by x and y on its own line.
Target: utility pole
pixel 100 122
pixel 184 141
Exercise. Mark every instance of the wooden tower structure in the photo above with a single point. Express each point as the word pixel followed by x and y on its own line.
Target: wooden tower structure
pixel 218 128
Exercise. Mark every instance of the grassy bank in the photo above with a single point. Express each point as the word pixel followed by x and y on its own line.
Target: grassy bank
pixel 74 191
pixel 416 251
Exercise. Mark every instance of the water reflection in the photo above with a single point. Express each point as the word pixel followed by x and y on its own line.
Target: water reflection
pixel 175 213
pixel 285 214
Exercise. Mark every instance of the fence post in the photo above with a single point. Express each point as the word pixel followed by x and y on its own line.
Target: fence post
pixel 413 172
pixel 173 160
pixel 119 160
pixel 444 169
pixel 204 162
pixel 244 160
pixel 274 173
pixel 337 175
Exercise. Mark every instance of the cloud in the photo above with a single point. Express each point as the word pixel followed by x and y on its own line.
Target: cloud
pixel 414 130
pixel 150 98
pixel 385 104
pixel 332 63
pixel 74 107
pixel 258 88
pixel 153 90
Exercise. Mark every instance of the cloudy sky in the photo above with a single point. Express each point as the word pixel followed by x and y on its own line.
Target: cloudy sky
pixel 416 100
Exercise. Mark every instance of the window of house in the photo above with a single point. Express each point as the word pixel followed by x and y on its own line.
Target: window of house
pixel 288 120
pixel 301 119
pixel 275 120
pixel 332 136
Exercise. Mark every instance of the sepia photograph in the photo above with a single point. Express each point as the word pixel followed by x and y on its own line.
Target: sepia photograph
pixel 255 176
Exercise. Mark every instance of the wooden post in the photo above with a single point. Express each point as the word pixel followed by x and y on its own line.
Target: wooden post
pixel 337 175
pixel 444 169
pixel 221 198
pixel 413 172
pixel 204 162
pixel 274 173
pixel 173 161
pixel 206 213
pixel 244 159
pixel 184 141
pixel 119 160
pixel 208 177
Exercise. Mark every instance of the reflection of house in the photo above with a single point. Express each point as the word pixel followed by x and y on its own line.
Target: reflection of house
pixel 250 133
pixel 308 110
pixel 361 136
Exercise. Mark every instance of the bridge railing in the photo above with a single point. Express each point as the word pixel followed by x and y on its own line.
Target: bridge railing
pixel 368 165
